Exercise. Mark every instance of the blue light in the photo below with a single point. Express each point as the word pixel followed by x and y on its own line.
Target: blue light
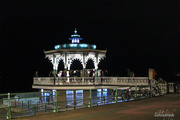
pixel 64 46
pixel 98 90
pixel 104 89
pixel 75 40
pixel 57 47
pixel 69 92
pixel 46 94
pixel 94 46
pixel 73 45
pixel 79 91
pixel 83 45
pixel 75 35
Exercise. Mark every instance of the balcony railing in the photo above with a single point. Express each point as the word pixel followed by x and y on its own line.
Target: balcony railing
pixel 92 81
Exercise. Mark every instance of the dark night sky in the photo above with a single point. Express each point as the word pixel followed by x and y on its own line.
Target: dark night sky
pixel 138 34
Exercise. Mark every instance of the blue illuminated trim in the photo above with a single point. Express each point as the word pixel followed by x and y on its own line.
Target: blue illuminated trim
pixel 64 46
pixel 75 35
pixel 57 47
pixel 94 46
pixel 83 45
pixel 73 45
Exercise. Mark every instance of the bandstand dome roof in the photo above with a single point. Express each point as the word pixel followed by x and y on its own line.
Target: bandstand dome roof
pixel 75 38
pixel 75 47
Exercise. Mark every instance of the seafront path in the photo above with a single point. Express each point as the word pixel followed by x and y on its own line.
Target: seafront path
pixel 145 109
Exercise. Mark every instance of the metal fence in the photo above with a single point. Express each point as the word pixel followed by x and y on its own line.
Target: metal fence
pixel 22 104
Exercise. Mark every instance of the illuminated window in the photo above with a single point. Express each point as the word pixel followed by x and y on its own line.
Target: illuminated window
pixel 79 97
pixel 105 90
pixel 69 97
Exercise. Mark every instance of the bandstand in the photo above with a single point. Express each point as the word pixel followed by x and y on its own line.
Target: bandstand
pixel 75 51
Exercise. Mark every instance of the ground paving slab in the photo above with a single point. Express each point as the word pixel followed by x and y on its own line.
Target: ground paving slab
pixel 165 107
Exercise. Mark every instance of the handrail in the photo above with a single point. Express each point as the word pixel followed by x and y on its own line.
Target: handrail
pixel 91 81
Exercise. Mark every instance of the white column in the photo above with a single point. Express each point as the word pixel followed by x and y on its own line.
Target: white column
pixel 84 63
pixel 55 65
pixel 96 65
pixel 65 61
pixel 69 63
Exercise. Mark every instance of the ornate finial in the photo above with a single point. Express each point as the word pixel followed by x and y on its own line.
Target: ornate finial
pixel 75 37
pixel 75 31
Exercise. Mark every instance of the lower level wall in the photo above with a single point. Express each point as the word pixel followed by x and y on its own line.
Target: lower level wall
pixel 61 97
pixel 86 95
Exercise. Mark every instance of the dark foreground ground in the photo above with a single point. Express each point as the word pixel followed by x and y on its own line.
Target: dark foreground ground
pixel 134 110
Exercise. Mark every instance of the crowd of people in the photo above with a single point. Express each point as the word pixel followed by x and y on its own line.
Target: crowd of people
pixel 76 73
pixel 81 73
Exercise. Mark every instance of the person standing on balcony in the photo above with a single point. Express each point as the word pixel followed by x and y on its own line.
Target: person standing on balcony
pixel 102 73
pixel 132 74
pixel 106 74
pixel 60 74
pixel 128 73
pixel 36 74
pixel 51 74
pixel 91 73
pixel 70 73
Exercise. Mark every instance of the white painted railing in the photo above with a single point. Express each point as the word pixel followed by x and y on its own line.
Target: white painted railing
pixel 125 81
pixel 44 80
pixel 91 81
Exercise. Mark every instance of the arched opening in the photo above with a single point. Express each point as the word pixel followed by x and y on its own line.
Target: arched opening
pixel 90 64
pixel 45 67
pixel 76 68
pixel 76 65
pixel 102 64
pixel 61 65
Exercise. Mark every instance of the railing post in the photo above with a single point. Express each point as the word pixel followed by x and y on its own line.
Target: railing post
pixel 104 100
pixel 54 80
pixel 28 104
pixel 122 95
pixel 15 102
pixel 34 108
pixel 37 106
pixel 22 104
pixel 90 97
pixel 75 103
pixel 45 107
pixel 136 93
pixel 9 107
pixel 96 76
pixel 55 107
pixel 116 96
pixel 150 88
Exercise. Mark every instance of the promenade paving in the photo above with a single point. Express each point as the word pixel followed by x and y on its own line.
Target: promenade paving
pixel 134 110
